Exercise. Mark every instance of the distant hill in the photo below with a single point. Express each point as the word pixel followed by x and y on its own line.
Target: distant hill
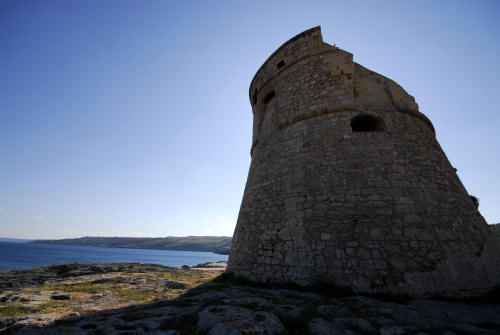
pixel 217 244
pixel 14 240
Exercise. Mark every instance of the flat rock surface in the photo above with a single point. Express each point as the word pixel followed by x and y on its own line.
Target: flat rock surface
pixel 17 279
pixel 225 307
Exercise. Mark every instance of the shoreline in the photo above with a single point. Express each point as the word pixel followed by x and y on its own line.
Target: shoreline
pixel 21 278
pixel 19 256
pixel 118 247
pixel 218 252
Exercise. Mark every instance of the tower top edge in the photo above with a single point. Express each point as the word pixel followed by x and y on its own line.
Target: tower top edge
pixel 282 46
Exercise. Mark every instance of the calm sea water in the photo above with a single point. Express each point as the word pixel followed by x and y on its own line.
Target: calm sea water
pixel 28 255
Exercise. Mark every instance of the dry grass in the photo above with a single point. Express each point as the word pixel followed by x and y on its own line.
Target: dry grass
pixel 191 277
pixel 12 309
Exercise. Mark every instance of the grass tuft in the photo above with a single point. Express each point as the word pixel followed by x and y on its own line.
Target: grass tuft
pixel 12 310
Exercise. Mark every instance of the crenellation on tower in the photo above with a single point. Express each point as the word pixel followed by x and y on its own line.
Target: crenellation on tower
pixel 348 184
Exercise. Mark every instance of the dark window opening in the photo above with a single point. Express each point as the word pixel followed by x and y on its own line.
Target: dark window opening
pixel 280 64
pixel 367 123
pixel 254 97
pixel 269 97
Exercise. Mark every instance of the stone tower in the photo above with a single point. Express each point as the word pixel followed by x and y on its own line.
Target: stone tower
pixel 349 185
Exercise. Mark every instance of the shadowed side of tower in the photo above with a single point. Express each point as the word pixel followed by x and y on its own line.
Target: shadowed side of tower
pixel 349 185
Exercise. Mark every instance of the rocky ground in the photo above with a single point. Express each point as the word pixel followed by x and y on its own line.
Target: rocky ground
pixel 40 296
pixel 128 299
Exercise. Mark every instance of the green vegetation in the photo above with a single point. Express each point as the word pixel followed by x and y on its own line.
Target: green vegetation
pixel 78 287
pixel 17 309
pixel 52 306
pixel 12 309
pixel 192 278
pixel 217 244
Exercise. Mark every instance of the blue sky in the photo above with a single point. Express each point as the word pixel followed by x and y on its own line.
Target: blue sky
pixel 131 118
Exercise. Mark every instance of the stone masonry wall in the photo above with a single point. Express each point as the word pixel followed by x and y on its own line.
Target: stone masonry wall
pixel 376 211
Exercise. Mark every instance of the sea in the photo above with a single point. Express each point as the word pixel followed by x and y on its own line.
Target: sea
pixel 28 255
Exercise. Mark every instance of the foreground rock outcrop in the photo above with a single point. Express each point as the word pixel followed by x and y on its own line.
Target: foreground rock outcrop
pixel 228 306
pixel 42 295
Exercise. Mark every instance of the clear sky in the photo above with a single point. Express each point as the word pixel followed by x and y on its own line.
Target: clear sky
pixel 132 118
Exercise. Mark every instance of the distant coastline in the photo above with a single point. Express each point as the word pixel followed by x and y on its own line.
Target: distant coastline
pixel 217 244
pixel 14 240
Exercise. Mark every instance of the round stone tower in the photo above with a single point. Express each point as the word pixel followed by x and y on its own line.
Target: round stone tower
pixel 348 185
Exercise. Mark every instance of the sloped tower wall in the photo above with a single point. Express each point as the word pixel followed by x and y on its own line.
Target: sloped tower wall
pixel 349 185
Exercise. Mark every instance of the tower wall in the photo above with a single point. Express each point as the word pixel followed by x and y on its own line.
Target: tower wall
pixel 377 211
